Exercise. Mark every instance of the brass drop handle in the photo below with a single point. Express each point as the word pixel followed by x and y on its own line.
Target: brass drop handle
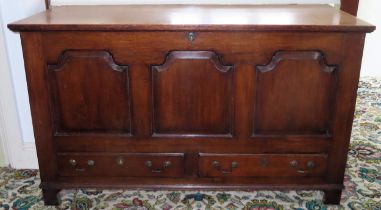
pixel 217 166
pixel 73 162
pixel 310 165
pixel 166 165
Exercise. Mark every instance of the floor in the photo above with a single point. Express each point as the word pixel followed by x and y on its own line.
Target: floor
pixel 19 188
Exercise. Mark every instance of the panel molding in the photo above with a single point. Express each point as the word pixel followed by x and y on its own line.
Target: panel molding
pixel 199 55
pixel 297 55
pixel 67 55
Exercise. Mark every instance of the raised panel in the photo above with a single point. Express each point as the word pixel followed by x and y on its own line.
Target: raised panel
pixel 295 94
pixel 192 95
pixel 90 93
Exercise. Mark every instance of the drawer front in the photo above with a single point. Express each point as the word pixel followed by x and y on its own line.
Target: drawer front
pixel 271 165
pixel 118 165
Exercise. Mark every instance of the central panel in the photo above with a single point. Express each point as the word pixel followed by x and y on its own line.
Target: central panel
pixel 192 95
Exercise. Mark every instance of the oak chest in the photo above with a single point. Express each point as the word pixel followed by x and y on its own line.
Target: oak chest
pixel 192 97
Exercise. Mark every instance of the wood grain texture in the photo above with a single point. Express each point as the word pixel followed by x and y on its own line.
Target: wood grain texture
pixel 47 4
pixel 38 89
pixel 221 184
pixel 90 93
pixel 350 6
pixel 345 108
pixel 192 95
pixel 310 84
pixel 196 17
pixel 293 86
pixel 39 94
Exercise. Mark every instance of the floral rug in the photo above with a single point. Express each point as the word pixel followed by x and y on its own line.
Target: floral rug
pixel 19 188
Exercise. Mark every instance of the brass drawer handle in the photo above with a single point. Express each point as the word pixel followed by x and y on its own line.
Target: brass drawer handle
pixel 80 169
pixel 217 166
pixel 74 163
pixel 166 165
pixel 310 165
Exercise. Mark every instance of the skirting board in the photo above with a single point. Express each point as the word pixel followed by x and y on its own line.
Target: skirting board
pixel 29 157
pixel 18 154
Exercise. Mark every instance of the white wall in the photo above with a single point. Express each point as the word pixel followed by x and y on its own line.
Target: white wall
pixel 370 10
pixel 118 2
pixel 16 131
pixel 11 11
pixel 3 79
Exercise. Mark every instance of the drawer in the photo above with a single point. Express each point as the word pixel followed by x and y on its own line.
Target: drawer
pixel 269 165
pixel 118 165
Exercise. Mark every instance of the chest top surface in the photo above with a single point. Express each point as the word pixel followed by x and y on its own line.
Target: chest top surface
pixel 193 17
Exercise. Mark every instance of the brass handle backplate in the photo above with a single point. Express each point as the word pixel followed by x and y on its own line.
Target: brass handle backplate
pixel 218 166
pixel 310 165
pixel 293 164
pixel 74 163
pixel 90 162
pixel 165 165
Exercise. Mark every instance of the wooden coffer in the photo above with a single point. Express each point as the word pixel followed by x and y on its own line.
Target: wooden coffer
pixel 130 99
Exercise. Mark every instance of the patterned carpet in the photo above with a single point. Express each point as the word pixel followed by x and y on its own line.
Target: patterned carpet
pixel 19 188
